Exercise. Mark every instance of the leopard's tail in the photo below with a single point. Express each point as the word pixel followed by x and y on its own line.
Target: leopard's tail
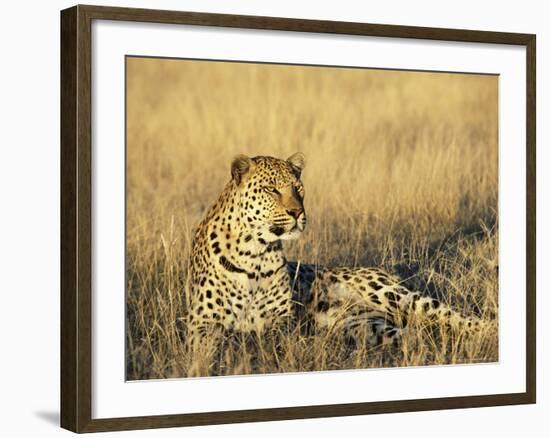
pixel 424 308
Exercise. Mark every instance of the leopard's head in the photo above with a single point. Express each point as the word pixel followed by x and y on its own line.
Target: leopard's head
pixel 271 195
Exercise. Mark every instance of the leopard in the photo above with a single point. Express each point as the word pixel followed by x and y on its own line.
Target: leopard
pixel 240 279
pixel 238 272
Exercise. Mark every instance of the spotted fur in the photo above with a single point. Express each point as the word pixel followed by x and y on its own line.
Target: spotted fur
pixel 370 303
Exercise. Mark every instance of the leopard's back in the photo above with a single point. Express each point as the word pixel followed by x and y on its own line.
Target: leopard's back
pixel 368 301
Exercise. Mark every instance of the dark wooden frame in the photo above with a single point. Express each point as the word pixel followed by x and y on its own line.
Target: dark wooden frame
pixel 76 304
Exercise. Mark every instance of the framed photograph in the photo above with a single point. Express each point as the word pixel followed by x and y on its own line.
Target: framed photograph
pixel 304 218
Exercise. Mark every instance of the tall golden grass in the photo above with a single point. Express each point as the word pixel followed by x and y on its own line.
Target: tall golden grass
pixel 402 172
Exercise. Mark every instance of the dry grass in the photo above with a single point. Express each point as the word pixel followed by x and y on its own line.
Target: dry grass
pixel 402 172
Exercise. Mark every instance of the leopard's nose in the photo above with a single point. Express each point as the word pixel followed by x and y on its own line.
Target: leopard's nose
pixel 295 212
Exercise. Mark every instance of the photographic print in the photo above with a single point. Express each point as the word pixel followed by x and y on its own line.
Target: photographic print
pixel 294 218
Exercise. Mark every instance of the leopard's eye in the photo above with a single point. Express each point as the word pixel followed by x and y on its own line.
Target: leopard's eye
pixel 300 190
pixel 272 190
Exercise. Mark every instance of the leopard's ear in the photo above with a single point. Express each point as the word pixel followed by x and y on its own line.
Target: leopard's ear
pixel 239 167
pixel 298 160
